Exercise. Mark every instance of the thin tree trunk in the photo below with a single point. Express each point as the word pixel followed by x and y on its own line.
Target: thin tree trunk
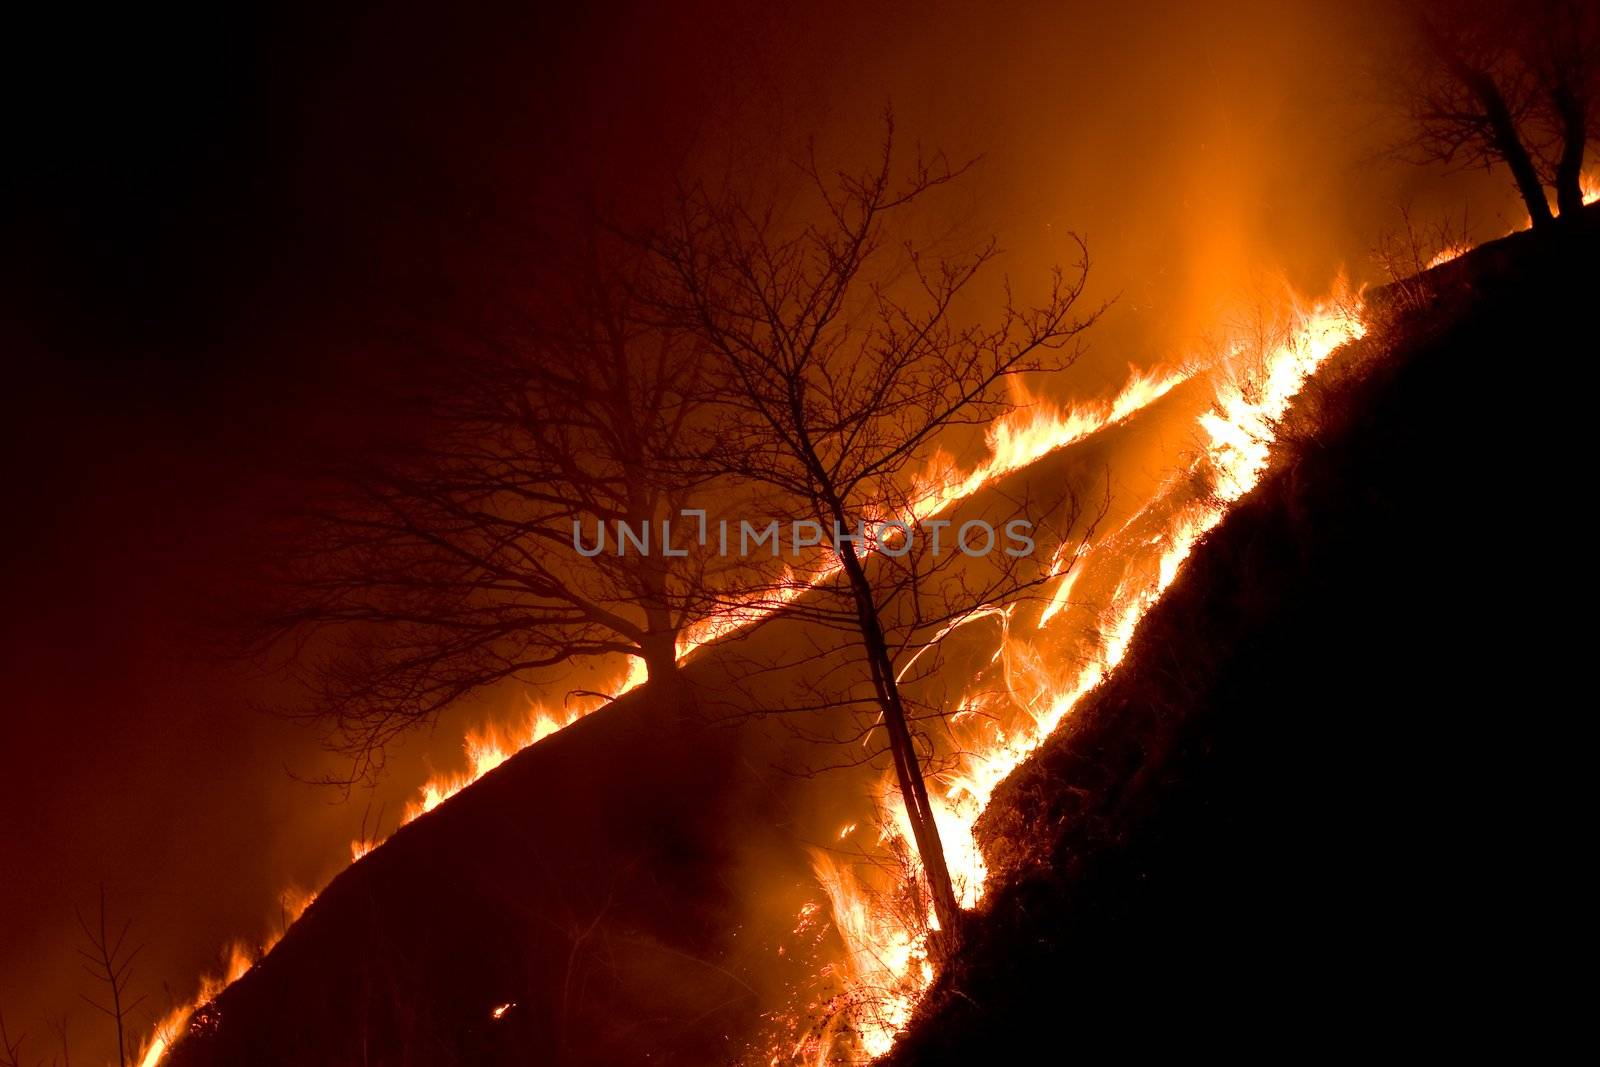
pixel 913 787
pixel 108 955
pixel 1569 169
pixel 659 645
pixel 1503 132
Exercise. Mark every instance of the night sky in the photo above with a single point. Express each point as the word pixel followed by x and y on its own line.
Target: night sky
pixel 225 232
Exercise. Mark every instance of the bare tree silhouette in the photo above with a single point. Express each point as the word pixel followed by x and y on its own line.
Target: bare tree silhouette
pixel 1492 84
pixel 60 1028
pixel 842 359
pixel 1562 51
pixel 10 1048
pixel 108 959
pixel 450 568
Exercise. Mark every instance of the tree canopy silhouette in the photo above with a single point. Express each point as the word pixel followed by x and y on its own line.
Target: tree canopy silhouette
pixel 451 565
pixel 1492 83
pixel 845 352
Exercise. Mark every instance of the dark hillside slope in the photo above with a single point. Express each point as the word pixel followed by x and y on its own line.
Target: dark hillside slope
pixel 1331 797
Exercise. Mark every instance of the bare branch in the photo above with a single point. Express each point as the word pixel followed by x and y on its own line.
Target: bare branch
pixel 842 360
pixel 109 961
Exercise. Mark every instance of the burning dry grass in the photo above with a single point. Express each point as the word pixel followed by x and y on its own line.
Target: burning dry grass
pixel 1003 719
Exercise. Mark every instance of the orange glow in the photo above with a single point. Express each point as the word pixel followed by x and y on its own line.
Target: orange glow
pixel 486 749
pixel 1032 431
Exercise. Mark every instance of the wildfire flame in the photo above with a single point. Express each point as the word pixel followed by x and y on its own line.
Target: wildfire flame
pixel 886 955
pixel 240 958
pixel 888 964
pixel 486 749
pixel 1589 189
pixel 1031 431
